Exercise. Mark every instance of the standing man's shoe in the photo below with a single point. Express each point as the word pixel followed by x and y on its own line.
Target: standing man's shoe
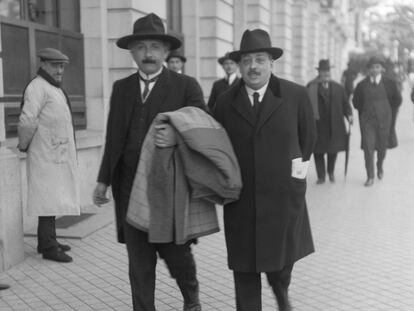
pixel 380 174
pixel 57 255
pixel 331 177
pixel 369 182
pixel 320 181
pixel 4 286
pixel 62 247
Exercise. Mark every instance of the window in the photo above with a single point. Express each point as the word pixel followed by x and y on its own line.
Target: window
pixel 30 25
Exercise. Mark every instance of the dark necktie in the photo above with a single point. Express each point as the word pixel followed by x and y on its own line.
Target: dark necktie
pixel 146 87
pixel 256 103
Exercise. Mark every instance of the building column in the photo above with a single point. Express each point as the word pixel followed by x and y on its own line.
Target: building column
pixel 191 29
pixel 313 39
pixel 240 21
pixel 281 34
pixel 97 88
pixel 258 14
pixel 300 40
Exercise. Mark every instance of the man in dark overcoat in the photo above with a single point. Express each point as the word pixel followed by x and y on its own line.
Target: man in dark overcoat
pixel 135 101
pixel 377 100
pixel 270 123
pixel 223 84
pixel 330 105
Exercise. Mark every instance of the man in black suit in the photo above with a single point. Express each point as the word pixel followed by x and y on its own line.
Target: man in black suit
pixel 222 85
pixel 271 126
pixel 377 100
pixel 135 101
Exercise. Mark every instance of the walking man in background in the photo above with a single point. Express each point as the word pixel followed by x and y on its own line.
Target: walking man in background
pixel 175 61
pixel 330 107
pixel 271 126
pixel 222 85
pixel 135 102
pixel 377 100
pixel 46 133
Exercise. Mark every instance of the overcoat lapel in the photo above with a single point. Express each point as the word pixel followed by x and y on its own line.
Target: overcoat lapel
pixel 132 97
pixel 158 94
pixel 242 105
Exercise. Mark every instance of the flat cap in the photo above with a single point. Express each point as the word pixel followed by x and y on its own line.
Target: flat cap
pixel 52 55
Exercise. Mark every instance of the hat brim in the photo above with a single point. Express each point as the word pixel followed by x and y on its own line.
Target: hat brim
pixel 55 61
pixel 222 59
pixel 320 68
pixel 183 58
pixel 275 52
pixel 125 42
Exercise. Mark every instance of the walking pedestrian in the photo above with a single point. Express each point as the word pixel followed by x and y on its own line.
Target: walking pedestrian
pixel 330 106
pixel 348 77
pixel 271 126
pixel 223 84
pixel 377 100
pixel 46 133
pixel 135 102
pixel 175 61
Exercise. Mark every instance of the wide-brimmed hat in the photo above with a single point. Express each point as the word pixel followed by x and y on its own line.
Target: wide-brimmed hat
pixel 176 54
pixel 256 40
pixel 376 60
pixel 148 27
pixel 324 64
pixel 222 59
pixel 52 55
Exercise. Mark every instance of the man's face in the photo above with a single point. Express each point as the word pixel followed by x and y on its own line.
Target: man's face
pixel 256 69
pixel 175 64
pixel 375 70
pixel 149 55
pixel 54 69
pixel 229 66
pixel 324 75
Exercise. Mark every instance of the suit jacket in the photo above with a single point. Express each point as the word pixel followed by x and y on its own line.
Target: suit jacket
pixel 219 87
pixel 394 98
pixel 268 227
pixel 172 91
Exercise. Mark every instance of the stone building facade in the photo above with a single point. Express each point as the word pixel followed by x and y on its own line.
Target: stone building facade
pixel 307 30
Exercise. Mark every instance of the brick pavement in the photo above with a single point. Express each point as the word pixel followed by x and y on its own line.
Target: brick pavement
pixel 364 256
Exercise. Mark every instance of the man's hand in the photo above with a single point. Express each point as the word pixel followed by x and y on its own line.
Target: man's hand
pixel 165 136
pixel 99 194
pixel 351 120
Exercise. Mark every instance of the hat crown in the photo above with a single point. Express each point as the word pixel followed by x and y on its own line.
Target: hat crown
pixel 375 60
pixel 324 64
pixel 150 24
pixel 53 55
pixel 254 40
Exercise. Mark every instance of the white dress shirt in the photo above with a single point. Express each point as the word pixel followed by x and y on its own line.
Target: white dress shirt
pixel 261 92
pixel 376 79
pixel 147 77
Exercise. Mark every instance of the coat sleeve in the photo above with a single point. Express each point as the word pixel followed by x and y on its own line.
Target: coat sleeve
pixel 358 99
pixel 306 126
pixel 394 95
pixel 346 106
pixel 194 95
pixel 213 97
pixel 34 100
pixel 104 175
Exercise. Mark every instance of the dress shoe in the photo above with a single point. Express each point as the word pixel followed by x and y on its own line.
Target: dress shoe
pixel 331 177
pixel 320 181
pixel 380 173
pixel 57 255
pixel 62 247
pixel 369 182
pixel 4 286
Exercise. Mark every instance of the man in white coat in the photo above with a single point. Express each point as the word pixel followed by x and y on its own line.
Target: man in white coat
pixel 46 133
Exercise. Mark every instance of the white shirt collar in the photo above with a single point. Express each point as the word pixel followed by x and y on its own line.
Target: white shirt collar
pixel 261 92
pixel 377 79
pixel 231 78
pixel 149 77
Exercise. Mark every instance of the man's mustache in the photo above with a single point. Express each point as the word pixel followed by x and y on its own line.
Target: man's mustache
pixel 149 61
pixel 253 72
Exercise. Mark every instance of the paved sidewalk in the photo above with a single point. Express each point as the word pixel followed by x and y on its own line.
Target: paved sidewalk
pixel 364 257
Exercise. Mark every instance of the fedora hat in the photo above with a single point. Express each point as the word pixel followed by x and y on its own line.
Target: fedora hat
pixel 324 64
pixel 256 40
pixel 176 54
pixel 222 59
pixel 52 55
pixel 376 60
pixel 148 27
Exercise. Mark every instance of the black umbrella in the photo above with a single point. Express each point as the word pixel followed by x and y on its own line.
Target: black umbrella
pixel 348 138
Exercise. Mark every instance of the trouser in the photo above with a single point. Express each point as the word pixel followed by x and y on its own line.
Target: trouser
pixel 320 164
pixel 369 161
pixel 249 289
pixel 46 234
pixel 142 257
